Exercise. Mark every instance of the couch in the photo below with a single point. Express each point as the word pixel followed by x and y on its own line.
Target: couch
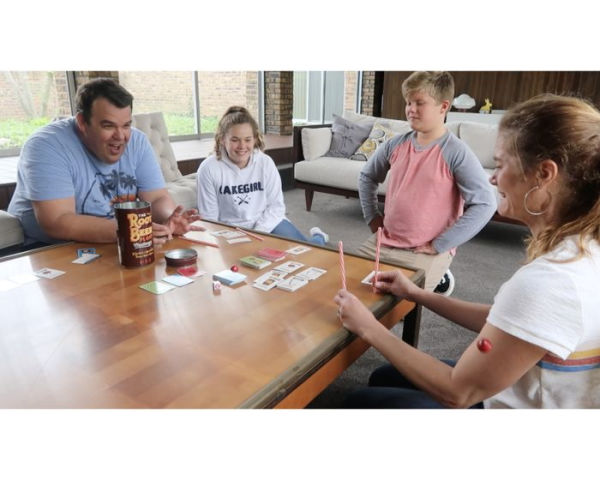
pixel 181 188
pixel 315 171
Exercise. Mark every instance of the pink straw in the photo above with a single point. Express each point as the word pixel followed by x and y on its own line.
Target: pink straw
pixel 249 233
pixel 342 267
pixel 377 252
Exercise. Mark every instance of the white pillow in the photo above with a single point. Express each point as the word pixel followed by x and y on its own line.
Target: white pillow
pixel 315 142
pixel 480 138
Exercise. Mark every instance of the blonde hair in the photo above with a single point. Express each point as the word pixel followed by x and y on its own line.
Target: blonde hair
pixel 567 131
pixel 439 85
pixel 235 116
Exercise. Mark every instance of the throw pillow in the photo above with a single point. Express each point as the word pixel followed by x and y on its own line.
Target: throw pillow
pixel 315 142
pixel 346 137
pixel 381 132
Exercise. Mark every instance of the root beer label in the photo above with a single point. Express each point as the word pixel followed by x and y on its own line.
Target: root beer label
pixel 134 221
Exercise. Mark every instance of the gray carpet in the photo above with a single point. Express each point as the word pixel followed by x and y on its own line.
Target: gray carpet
pixel 480 267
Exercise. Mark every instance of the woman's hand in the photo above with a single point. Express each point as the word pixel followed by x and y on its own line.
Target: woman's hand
pixel 354 315
pixel 396 283
pixel 180 221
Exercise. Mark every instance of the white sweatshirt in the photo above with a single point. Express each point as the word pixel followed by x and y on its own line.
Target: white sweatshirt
pixel 249 197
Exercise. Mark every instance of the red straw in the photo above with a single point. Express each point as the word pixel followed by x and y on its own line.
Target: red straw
pixel 249 233
pixel 377 252
pixel 342 267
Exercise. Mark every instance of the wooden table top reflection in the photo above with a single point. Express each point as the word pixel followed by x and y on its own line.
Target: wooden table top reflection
pixel 91 338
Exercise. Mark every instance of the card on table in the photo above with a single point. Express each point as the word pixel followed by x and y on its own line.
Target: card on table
pixel 265 284
pixel 289 267
pixel 298 249
pixel 278 274
pixel 191 271
pixel 177 280
pixel 229 234
pixel 229 278
pixel 292 284
pixel 86 258
pixel 239 240
pixel 83 251
pixel 272 254
pixel 368 280
pixel 254 262
pixel 48 273
pixel 219 233
pixel 311 273
pixel 157 288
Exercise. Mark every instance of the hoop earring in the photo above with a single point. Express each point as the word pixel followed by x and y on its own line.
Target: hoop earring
pixel 530 212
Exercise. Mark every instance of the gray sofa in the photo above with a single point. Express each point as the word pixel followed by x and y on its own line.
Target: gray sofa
pixel 181 188
pixel 316 172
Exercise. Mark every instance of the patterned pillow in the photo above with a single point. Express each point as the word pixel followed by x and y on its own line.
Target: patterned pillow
pixel 380 132
pixel 346 137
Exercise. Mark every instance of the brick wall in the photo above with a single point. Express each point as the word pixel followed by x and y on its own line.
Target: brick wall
pixel 368 93
pixel 279 102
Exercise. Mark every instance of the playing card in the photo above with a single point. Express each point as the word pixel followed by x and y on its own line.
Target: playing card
pixel 239 240
pixel 289 266
pixel 368 280
pixel 157 288
pixel 292 284
pixel 86 258
pixel 265 284
pixel 311 273
pixel 23 278
pixel 219 233
pixel 229 278
pixel 233 234
pixel 191 271
pixel 298 249
pixel 83 251
pixel 48 273
pixel 177 280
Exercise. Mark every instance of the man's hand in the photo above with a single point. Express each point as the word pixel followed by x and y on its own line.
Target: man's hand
pixel 180 221
pixel 376 223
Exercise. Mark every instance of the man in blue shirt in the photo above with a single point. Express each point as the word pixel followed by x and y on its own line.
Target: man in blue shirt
pixel 72 172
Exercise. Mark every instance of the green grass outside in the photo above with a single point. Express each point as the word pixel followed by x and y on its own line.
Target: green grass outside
pixel 13 133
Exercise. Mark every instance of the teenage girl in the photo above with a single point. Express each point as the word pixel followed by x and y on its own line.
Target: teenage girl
pixel 239 184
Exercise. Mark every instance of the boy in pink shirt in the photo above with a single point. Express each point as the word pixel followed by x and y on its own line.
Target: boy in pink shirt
pixel 438 195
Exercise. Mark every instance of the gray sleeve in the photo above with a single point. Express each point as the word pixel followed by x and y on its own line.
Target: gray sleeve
pixel 372 174
pixel 476 190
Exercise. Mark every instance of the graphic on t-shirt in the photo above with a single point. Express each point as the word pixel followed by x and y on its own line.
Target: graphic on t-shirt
pixel 240 200
pixel 241 191
pixel 106 190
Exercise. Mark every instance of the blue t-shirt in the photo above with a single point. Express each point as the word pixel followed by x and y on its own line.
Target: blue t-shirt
pixel 54 164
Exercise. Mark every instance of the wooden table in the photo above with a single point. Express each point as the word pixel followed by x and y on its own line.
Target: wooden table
pixel 92 338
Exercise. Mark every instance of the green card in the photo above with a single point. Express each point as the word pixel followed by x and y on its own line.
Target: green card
pixel 157 288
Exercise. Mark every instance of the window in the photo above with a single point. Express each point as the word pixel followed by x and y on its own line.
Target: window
pixel 318 95
pixel 29 100
pixel 192 102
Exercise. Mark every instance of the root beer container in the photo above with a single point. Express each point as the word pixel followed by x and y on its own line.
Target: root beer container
pixel 134 223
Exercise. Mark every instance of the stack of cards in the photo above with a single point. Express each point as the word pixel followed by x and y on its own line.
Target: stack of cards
pixel 232 236
pixel 271 254
pixel 229 278
pixel 86 255
pixel 254 262
pixel 269 280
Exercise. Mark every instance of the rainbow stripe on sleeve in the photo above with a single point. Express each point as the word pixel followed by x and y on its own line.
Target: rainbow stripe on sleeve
pixel 576 362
